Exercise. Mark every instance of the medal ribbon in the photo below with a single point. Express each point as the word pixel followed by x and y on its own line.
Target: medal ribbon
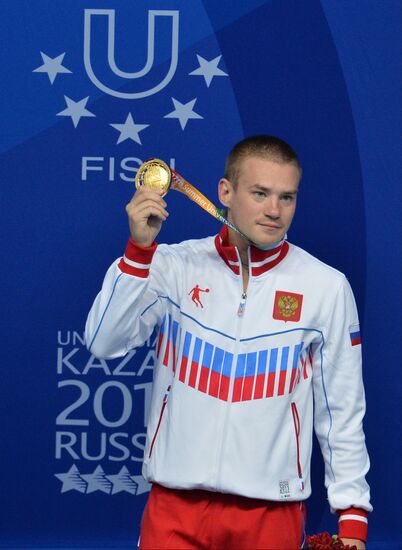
pixel 156 174
pixel 183 186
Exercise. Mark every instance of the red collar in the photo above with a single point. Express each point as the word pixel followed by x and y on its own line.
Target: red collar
pixel 261 261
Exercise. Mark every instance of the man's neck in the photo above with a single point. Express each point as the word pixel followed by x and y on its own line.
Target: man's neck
pixel 240 243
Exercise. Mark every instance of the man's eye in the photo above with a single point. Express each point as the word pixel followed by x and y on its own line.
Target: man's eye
pixel 287 198
pixel 259 194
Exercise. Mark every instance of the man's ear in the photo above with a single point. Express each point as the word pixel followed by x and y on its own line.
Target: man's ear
pixel 225 190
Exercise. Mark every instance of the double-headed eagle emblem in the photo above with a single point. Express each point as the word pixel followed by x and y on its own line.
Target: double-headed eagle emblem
pixel 287 305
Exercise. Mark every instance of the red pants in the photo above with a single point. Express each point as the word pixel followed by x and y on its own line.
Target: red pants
pixel 183 520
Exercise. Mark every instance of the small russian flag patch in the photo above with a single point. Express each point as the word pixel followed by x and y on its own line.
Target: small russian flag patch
pixel 355 338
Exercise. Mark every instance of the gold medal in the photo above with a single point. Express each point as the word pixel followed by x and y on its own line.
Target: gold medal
pixel 154 174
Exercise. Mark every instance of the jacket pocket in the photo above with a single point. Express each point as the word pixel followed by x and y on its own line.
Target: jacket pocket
pixel 296 424
pixel 164 403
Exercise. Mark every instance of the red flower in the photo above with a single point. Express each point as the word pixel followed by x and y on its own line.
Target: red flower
pixel 324 541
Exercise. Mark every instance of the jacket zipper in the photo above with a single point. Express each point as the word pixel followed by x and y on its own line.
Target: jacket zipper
pixel 296 423
pixel 242 305
pixel 240 313
pixel 164 403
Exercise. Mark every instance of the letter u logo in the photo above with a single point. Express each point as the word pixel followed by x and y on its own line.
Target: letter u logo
pixel 174 54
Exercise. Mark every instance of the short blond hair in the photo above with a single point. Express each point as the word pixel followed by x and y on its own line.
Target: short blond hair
pixel 263 146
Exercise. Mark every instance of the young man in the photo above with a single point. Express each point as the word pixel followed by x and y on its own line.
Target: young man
pixel 230 430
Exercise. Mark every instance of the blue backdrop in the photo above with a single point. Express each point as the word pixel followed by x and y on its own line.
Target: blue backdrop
pixel 89 90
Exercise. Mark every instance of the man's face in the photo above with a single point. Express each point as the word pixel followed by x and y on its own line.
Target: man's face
pixel 263 203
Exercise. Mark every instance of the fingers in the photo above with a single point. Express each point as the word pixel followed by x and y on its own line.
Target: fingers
pixel 146 212
pixel 145 205
pixel 144 192
pixel 147 209
pixel 144 195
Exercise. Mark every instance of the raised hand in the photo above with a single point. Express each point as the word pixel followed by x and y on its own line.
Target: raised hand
pixel 146 212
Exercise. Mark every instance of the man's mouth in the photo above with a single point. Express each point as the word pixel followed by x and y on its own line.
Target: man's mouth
pixel 270 225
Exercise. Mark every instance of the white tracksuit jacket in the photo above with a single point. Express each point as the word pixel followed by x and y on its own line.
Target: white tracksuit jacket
pixel 239 381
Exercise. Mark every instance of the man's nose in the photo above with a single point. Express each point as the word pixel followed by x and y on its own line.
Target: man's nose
pixel 271 207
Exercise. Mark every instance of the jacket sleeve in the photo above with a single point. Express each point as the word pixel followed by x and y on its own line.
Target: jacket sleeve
pixel 129 305
pixel 339 407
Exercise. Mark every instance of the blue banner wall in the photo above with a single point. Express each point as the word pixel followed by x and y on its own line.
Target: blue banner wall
pixel 89 90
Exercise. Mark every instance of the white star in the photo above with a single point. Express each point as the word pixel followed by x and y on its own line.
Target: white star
pixel 183 111
pixel 129 130
pixel 52 66
pixel 76 110
pixel 72 480
pixel 142 484
pixel 123 482
pixel 208 69
pixel 97 481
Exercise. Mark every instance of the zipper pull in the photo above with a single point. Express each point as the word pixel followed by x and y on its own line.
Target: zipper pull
pixel 165 398
pixel 242 305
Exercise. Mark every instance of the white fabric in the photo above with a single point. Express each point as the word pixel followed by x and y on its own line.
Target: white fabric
pixel 136 264
pixel 354 517
pixel 247 447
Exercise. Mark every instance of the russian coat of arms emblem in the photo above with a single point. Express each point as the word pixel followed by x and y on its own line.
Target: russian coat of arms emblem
pixel 287 306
